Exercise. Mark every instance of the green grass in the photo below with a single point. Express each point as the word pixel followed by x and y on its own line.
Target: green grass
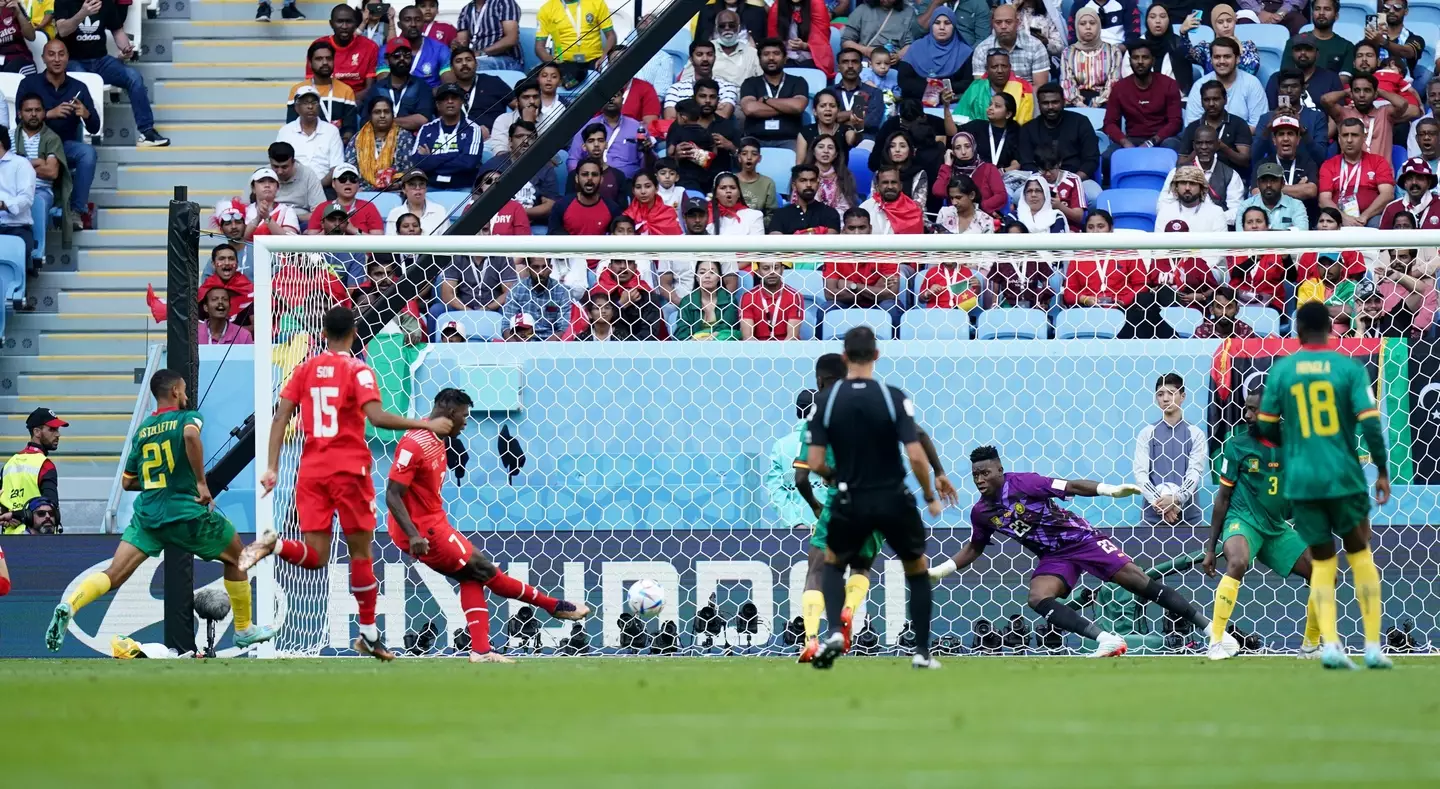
pixel 702 723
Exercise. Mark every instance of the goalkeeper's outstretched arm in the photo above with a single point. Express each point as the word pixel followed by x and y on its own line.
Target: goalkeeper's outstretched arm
pixel 958 562
pixel 1091 488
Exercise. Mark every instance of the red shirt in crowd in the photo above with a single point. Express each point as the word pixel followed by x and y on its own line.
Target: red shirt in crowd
pixel 441 32
pixel 1427 213
pixel 364 216
pixel 1150 113
pixel 510 220
pixel 332 390
pixel 770 312
pixel 1360 181
pixel 242 290
pixel 1108 281
pixel 353 64
pixel 1262 281
pixel 1309 265
pixel 1071 192
pixel 955 288
pixel 640 100
pixel 1170 272
pixel 861 273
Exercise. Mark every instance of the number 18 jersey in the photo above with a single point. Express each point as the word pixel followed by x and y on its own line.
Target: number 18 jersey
pixel 1319 396
pixel 331 391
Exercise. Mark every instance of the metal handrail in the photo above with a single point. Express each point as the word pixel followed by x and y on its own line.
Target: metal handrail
pixel 137 414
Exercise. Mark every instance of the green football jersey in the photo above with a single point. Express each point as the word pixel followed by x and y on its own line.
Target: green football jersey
pixel 1318 396
pixel 157 457
pixel 1254 471
pixel 821 489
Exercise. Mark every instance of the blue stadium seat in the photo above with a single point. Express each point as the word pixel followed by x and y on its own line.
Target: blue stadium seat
pixel 527 49
pixel 1423 13
pixel 835 41
pixel 809 282
pixel 1264 320
pixel 1203 34
pixel 1353 12
pixel 384 202
pixel 1133 209
pixel 837 322
pixel 450 198
pixel 1184 320
pixel 1008 323
pixel 936 324
pixel 479 325
pixel 507 76
pixel 12 271
pixel 1096 115
pixel 860 168
pixel 1141 168
pixel 1398 155
pixel 776 163
pixel 815 79
pixel 1088 323
pixel 1270 40
pixel 809 322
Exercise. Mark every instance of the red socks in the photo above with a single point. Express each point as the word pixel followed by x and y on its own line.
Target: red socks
pixel 296 552
pixel 477 617
pixel 505 586
pixel 364 587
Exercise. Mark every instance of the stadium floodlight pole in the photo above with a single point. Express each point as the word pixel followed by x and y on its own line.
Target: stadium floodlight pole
pixel 182 280
pixel 586 105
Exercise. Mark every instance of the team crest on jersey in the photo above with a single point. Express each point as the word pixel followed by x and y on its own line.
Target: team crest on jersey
pixel 590 18
pixel 425 69
pixel 355 59
pixel 996 520
pixel 1019 508
pixel 1252 464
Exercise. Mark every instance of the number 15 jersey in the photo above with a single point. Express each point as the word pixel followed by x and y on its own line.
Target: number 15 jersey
pixel 331 391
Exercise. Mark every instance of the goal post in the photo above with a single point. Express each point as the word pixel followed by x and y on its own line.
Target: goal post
pixel 592 465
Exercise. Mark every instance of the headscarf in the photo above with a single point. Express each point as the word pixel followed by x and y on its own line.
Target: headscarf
pixel 969 165
pixel 1099 42
pixel 930 58
pixel 1163 43
pixel 1036 221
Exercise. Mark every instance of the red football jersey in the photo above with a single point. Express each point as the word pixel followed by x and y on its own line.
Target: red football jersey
pixel 332 390
pixel 420 464
pixel 770 311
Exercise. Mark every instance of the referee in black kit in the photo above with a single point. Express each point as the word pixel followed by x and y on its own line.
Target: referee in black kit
pixel 863 422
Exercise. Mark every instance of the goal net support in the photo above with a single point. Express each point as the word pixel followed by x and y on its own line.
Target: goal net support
pixel 589 465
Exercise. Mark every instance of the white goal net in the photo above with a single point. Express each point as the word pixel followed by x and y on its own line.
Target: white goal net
pixel 590 464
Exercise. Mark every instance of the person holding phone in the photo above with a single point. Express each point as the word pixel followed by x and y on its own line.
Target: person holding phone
pixel 1222 20
pixel 81 24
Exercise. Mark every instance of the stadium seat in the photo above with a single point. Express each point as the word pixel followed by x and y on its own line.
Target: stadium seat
pixel 1398 155
pixel 860 168
pixel 809 322
pixel 1008 323
pixel 809 282
pixel 1088 323
pixel 1133 209
pixel 776 163
pixel 1353 12
pixel 937 324
pixel 1203 34
pixel 1184 320
pixel 1270 40
pixel 1141 168
pixel 815 79
pixel 1264 320
pixel 478 324
pixel 509 77
pixel 384 202
pixel 12 271
pixel 837 322
pixel 527 49
pixel 10 85
pixel 450 198
pixel 1422 14
pixel 835 42
pixel 1096 115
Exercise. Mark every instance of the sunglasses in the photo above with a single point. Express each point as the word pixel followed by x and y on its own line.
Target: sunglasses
pixel 348 179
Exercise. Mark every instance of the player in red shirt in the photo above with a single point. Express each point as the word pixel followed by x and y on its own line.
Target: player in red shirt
pixel 418 526
pixel 335 393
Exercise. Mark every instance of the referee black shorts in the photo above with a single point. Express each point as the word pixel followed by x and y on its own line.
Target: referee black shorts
pixel 855 515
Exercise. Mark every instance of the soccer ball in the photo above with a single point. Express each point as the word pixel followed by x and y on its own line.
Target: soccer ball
pixel 646 599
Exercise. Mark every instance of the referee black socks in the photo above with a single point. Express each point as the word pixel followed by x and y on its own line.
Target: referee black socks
pixel 920 605
pixel 832 585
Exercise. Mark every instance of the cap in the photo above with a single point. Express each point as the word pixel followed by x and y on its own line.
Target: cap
pixel 331 209
pixel 694 205
pixel 1304 40
pixel 449 89
pixel 1365 290
pixel 523 321
pixel 44 417
pixel 1416 166
pixel 1270 170
pixel 343 168
pixel 1177 226
pixel 413 174
pixel 1329 253
pixel 1284 122
pixel 1191 173
pixel 306 90
pixel 227 210
pixel 453 326
pixel 398 42
pixel 263 173
pixel 1244 16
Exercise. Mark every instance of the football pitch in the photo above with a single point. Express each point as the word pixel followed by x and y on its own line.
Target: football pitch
pixel 702 723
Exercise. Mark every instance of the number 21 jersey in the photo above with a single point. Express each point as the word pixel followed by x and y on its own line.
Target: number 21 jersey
pixel 332 390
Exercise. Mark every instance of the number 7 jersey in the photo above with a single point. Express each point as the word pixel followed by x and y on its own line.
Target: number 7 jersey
pixel 1319 396
pixel 331 391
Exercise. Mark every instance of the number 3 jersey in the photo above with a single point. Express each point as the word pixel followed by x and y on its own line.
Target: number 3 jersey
pixel 1027 512
pixel 157 457
pixel 331 391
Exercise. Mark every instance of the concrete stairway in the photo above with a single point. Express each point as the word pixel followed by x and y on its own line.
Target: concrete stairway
pixel 218 81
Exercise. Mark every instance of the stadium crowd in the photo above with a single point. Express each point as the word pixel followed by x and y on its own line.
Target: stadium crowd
pixel 885 118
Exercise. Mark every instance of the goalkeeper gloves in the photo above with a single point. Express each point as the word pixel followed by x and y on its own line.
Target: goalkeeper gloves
pixel 1116 491
pixel 941 570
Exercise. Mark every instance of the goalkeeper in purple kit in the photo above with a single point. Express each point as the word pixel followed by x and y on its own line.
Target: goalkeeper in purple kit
pixel 1022 506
